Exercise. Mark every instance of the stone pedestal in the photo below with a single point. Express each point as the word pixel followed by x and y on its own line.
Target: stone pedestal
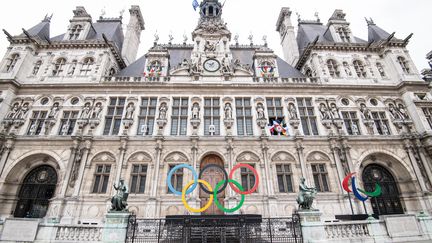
pixel 312 227
pixel 115 227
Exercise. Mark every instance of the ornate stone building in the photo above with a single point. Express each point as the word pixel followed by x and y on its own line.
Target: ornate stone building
pixel 79 111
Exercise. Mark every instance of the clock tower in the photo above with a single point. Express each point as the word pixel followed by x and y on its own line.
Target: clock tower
pixel 211 55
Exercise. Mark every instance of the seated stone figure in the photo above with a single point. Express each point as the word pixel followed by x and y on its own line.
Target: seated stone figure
pixel 119 201
pixel 306 195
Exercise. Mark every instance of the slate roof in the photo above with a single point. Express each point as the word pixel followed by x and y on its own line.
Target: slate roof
pixel 41 30
pixel 135 69
pixel 375 33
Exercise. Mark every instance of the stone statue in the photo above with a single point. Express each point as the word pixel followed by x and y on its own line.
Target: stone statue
pixel 402 112
pixel 156 37
pixel 260 111
pixel 354 128
pixel 65 129
pixel 306 195
pixel 210 46
pixel 13 112
pixel 226 65
pixel 96 111
pixel 130 111
pixel 365 112
pixel 54 111
pixel 228 111
pixel 119 201
pixel 292 111
pixel 21 114
pixel 196 63
pixel 394 113
pixel 384 129
pixel 184 63
pixel 334 111
pixel 325 114
pixel 347 69
pixel 85 113
pixel 237 63
pixel 162 111
pixel 195 111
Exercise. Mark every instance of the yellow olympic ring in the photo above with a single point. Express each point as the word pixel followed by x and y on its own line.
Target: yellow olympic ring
pixel 194 210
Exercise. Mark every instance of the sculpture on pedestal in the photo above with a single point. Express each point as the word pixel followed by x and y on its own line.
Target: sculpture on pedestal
pixel 306 195
pixel 119 201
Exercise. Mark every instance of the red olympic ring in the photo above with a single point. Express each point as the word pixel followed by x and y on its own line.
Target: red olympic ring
pixel 254 188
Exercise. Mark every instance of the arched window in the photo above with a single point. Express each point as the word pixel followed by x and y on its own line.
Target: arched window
pixel 344 34
pixel 36 190
pixel 11 62
pixel 36 67
pixel 404 64
pixel 380 68
pixel 87 66
pixel 360 69
pixel 75 32
pixel 59 67
pixel 333 68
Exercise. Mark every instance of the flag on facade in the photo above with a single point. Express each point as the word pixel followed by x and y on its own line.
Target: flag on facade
pixel 278 128
pixel 195 4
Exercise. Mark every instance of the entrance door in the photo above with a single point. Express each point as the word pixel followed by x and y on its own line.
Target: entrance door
pixel 36 190
pixel 389 201
pixel 212 175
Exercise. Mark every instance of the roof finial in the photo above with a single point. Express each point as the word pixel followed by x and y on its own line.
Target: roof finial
pixel 185 38
pixel 251 38
pixel 298 17
pixel 264 38
pixel 369 21
pixel 236 39
pixel 103 13
pixel 170 37
pixel 156 38
pixel 47 18
pixel 317 17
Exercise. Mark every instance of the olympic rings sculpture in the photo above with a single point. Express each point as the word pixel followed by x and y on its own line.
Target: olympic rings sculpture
pixel 357 190
pixel 206 187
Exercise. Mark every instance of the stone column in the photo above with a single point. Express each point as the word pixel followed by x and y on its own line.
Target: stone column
pixel 158 149
pixel 269 184
pixel 302 161
pixel 7 149
pixel 338 163
pixel 425 161
pixel 120 162
pixel 194 150
pixel 83 163
pixel 71 161
pixel 409 150
pixel 230 149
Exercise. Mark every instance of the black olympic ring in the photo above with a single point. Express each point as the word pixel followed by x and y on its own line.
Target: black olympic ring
pixel 220 168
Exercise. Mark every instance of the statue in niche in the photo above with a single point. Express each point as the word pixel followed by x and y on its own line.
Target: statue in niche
pixel 54 111
pixel 260 112
pixel 65 129
pixel 384 129
pixel 306 195
pixel 130 111
pixel 365 112
pixel 162 111
pixel 210 46
pixel 13 112
pixel 354 128
pixel 119 201
pixel 195 111
pixel 228 111
pixel 325 113
pixel 394 113
pixel 334 111
pixel 97 109
pixel 347 69
pixel 292 111
pixel 22 112
pixel 402 112
pixel 85 113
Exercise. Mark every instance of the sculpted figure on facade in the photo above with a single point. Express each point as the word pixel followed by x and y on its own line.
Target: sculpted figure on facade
pixel 325 113
pixel 85 112
pixel 196 64
pixel 54 111
pixel 306 195
pixel 195 111
pixel 394 113
pixel 96 112
pixel 22 112
pixel 365 112
pixel 347 69
pixel 130 111
pixel 210 46
pixel 402 111
pixel 260 112
pixel 292 111
pixel 119 201
pixel 163 111
pixel 226 64
pixel 228 111
pixel 334 111
pixel 13 112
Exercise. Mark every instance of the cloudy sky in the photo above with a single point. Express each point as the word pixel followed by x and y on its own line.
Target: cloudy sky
pixel 243 17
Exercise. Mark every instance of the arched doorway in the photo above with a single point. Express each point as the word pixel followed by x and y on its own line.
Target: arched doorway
pixel 212 175
pixel 37 188
pixel 389 201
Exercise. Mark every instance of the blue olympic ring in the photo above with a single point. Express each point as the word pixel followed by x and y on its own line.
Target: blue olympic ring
pixel 171 173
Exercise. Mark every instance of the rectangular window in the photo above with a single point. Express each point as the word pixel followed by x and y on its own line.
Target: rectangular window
pixel 428 114
pixel 101 178
pixel 37 122
pixel 179 116
pixel 381 122
pixel 247 178
pixel 244 116
pixel 67 123
pixel 351 122
pixel 307 116
pixel 114 116
pixel 211 116
pixel 320 176
pixel 146 117
pixel 176 179
pixel 275 113
pixel 284 177
pixel 138 178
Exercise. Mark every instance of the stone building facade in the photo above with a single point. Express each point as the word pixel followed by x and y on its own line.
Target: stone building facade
pixel 79 111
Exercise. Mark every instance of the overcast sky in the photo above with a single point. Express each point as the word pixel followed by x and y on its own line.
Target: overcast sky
pixel 243 17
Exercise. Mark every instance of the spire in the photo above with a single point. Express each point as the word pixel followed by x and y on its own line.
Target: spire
pixel 375 33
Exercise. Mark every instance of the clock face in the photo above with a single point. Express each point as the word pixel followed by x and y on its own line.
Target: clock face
pixel 211 65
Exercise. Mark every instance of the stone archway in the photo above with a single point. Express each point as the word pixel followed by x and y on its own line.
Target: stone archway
pixel 212 175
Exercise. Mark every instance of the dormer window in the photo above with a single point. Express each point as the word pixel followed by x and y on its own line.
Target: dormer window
pixel 36 67
pixel 59 67
pixel 344 34
pixel 360 69
pixel 380 68
pixel 333 68
pixel 87 66
pixel 404 65
pixel 11 62
pixel 75 32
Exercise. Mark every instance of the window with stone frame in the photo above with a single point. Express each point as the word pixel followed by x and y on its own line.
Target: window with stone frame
pixel 179 116
pixel 275 111
pixel 360 69
pixel 211 116
pixel 138 178
pixel 404 65
pixel 244 117
pixel 75 32
pixel 146 117
pixel 11 62
pixel 68 122
pixel 381 122
pixel 247 178
pixel 37 122
pixel 344 34
pixel 333 68
pixel 427 111
pixel 87 66
pixel 381 70
pixel 284 178
pixel 101 178
pixel 307 116
pixel 320 176
pixel 351 122
pixel 176 179
pixel 113 119
pixel 59 67
pixel 36 67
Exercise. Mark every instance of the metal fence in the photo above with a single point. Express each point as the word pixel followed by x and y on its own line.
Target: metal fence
pixel 233 229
